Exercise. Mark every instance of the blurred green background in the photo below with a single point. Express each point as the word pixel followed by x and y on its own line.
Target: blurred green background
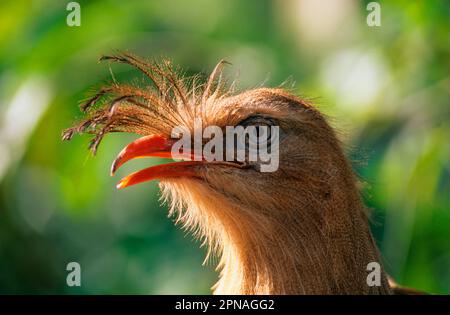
pixel 385 88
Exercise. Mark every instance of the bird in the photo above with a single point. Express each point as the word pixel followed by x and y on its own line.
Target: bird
pixel 302 229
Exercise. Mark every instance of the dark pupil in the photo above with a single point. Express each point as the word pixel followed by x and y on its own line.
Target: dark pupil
pixel 261 133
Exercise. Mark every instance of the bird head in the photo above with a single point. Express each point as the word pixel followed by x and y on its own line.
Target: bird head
pixel 248 216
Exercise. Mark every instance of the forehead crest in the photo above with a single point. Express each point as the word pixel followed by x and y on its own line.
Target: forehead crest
pixel 169 100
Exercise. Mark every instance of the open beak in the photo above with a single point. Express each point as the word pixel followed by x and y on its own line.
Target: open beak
pixel 153 146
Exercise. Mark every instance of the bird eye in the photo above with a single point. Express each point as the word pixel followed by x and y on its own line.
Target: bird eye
pixel 257 120
pixel 258 132
pixel 259 136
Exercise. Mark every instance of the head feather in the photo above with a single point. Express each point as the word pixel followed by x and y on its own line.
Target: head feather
pixel 169 100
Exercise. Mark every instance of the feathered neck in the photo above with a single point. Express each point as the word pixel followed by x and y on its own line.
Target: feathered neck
pixel 289 254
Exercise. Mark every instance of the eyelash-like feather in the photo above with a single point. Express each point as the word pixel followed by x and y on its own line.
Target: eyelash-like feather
pixel 169 100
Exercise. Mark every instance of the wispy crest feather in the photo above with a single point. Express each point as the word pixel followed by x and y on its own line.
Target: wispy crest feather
pixel 169 100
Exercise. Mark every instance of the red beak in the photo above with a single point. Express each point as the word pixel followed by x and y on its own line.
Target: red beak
pixel 153 146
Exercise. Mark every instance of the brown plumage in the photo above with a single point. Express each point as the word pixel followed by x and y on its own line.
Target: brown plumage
pixel 300 230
